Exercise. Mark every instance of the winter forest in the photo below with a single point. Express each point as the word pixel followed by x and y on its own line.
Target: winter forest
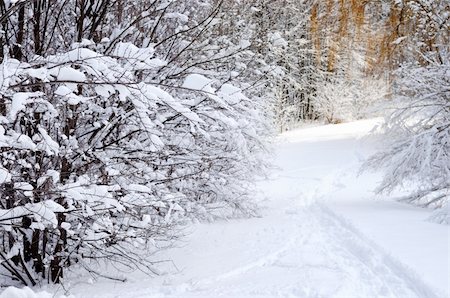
pixel 224 148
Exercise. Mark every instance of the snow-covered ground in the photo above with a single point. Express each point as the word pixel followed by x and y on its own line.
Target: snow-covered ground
pixel 330 157
pixel 322 233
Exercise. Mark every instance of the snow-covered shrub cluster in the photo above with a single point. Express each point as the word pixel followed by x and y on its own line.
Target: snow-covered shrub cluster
pixel 111 137
pixel 339 99
pixel 419 135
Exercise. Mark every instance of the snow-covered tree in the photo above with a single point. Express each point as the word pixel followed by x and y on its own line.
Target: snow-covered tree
pixel 281 39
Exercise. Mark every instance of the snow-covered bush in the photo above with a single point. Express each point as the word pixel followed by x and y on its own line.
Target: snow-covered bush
pixel 334 99
pixel 93 159
pixel 106 146
pixel 339 99
pixel 419 133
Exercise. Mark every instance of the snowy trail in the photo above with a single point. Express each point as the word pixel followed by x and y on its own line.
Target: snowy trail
pixel 310 253
pixel 305 244
pixel 322 259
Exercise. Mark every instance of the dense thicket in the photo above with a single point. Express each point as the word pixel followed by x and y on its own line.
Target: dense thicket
pixel 121 119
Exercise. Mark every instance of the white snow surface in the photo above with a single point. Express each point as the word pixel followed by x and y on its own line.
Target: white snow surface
pixel 322 233
pixel 12 292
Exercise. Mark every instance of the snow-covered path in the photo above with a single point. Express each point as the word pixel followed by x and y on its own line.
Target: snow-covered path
pixel 311 253
pixel 303 251
pixel 320 234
